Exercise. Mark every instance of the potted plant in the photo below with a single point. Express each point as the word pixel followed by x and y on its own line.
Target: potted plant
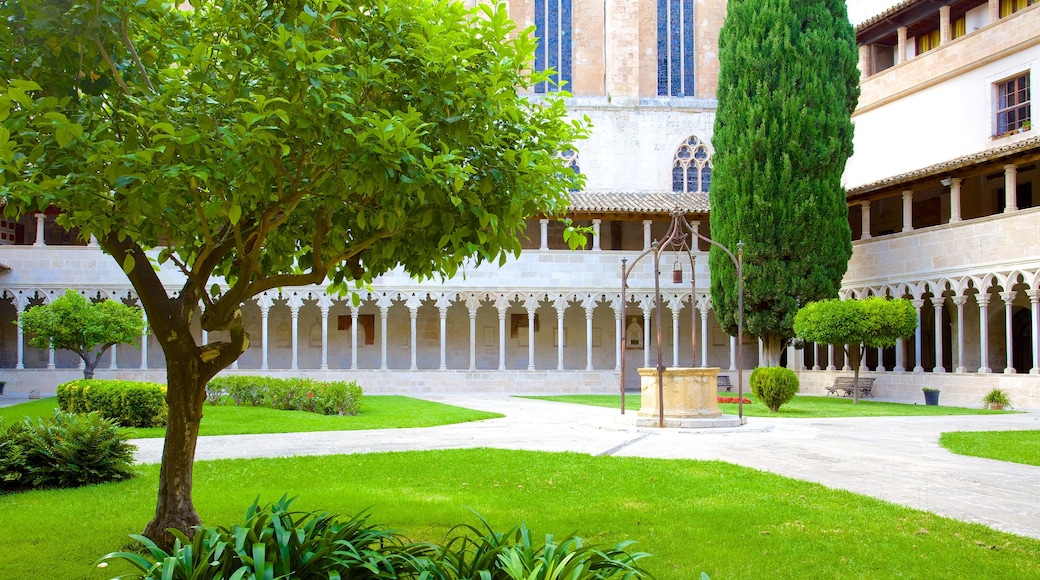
pixel 996 400
pixel 931 396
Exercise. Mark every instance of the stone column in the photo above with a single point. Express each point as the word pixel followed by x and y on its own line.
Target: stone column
pixel 264 302
pixel 561 308
pixel 880 366
pixel 1010 188
pixel 865 68
pixel 1034 316
pixel 955 200
pixel 675 308
pixel 960 301
pixel 443 303
pixel 619 334
pixel 733 353
pixel 646 234
pixel 918 305
pixel 543 226
pixel 815 356
pixel 900 55
pixel 647 312
pixel 900 356
pixel 937 303
pixel 944 25
pixel 502 305
pixel 144 343
pixel 354 311
pixel 40 220
pixel 596 223
pixel 589 304
pixel 325 304
pixel 847 366
pixel 983 300
pixel 704 334
pixel 295 301
pixel 864 220
pixel 50 356
pixel 1009 303
pixel 384 303
pixel 472 305
pixel 908 210
pixel 112 364
pixel 413 303
pixel 830 358
pixel 531 304
pixel 20 355
pixel 994 10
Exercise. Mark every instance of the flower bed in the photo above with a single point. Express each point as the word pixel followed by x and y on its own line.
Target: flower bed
pixel 745 400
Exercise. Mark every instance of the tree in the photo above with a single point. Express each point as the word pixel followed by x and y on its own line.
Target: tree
pixel 788 84
pixel 86 328
pixel 874 322
pixel 258 145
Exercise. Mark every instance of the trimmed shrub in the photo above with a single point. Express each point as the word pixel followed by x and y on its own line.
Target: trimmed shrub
pixel 68 450
pixel 774 386
pixel 128 403
pixel 295 394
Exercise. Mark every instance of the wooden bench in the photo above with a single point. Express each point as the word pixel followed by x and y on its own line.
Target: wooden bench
pixel 723 381
pixel 847 385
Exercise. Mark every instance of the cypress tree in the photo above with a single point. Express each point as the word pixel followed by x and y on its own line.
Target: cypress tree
pixel 788 85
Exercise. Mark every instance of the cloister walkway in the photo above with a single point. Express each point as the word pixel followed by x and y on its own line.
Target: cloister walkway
pixel 897 459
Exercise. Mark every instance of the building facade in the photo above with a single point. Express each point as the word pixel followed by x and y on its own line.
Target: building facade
pixel 930 219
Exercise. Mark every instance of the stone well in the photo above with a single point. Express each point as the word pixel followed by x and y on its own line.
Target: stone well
pixel 690 399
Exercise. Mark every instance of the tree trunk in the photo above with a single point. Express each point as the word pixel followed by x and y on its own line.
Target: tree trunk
pixel 772 348
pixel 186 392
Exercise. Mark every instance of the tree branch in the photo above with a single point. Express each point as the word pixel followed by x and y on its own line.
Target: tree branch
pixel 133 54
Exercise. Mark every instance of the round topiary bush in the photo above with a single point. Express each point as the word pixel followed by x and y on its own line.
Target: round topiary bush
pixel 774 386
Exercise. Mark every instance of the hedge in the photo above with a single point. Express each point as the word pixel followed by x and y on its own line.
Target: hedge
pixel 128 403
pixel 298 394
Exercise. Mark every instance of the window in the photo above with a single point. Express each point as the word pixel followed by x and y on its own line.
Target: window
pixel 691 167
pixel 1013 104
pixel 927 41
pixel 675 48
pixel 552 27
pixel 1009 7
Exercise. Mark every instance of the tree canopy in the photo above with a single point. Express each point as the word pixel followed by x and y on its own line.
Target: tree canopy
pixel 855 325
pixel 788 84
pixel 72 322
pixel 256 145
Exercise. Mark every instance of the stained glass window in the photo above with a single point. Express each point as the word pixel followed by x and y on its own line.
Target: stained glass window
pixel 691 167
pixel 552 27
pixel 675 48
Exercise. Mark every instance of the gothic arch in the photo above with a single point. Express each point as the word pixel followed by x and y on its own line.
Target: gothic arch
pixel 691 167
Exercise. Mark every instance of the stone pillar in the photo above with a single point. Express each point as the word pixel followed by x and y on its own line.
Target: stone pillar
pixel 847 365
pixel 144 343
pixel 1034 317
pixel 918 305
pixel 900 356
pixel 264 302
pixel 815 356
pixel 908 210
pixel 619 335
pixel 944 25
pixel 531 304
pixel 384 304
pixel 761 351
pixel 646 234
pixel 960 301
pixel 955 200
pixel 20 355
pixel 295 301
pixel 561 308
pixel 733 353
pixel 830 358
pixel 865 68
pixel 40 220
pixel 590 309
pixel 502 306
pixel 353 337
pixel 443 303
pixel 864 219
pixel 675 333
pixel 112 364
pixel 1009 303
pixel 596 223
pixel 880 366
pixel 937 303
pixel 983 300
pixel 900 55
pixel 1010 188
pixel 325 305
pixel 647 312
pixel 472 305
pixel 994 11
pixel 413 304
pixel 704 334
pixel 543 226
pixel 50 356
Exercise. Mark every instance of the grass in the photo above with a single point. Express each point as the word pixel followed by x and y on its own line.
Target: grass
pixel 377 412
pixel 801 407
pixel 693 516
pixel 1014 446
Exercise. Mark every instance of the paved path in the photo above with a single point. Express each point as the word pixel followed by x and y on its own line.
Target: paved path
pixel 897 459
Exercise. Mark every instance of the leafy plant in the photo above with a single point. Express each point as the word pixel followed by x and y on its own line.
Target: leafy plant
pixel 300 394
pixel 774 386
pixel 129 403
pixel 996 399
pixel 67 450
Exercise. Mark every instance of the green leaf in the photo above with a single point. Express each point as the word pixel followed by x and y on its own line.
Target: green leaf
pixel 128 264
pixel 234 213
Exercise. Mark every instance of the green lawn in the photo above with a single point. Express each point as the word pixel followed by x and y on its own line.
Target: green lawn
pixel 1014 446
pixel 377 412
pixel 728 521
pixel 801 407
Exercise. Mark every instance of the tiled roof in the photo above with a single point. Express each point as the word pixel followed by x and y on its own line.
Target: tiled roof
pixel 951 165
pixel 875 19
pixel 638 202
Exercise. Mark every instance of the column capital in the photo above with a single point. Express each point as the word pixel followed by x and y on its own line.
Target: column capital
pixel 938 301
pixel 960 300
pixel 1009 296
pixel 982 298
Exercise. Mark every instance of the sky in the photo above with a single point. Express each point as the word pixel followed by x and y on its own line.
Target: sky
pixel 860 10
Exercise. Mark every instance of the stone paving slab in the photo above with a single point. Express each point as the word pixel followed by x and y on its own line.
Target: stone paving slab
pixel 897 459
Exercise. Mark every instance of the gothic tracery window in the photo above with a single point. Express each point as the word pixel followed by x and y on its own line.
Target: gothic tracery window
pixel 691 167
pixel 675 48
pixel 552 27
